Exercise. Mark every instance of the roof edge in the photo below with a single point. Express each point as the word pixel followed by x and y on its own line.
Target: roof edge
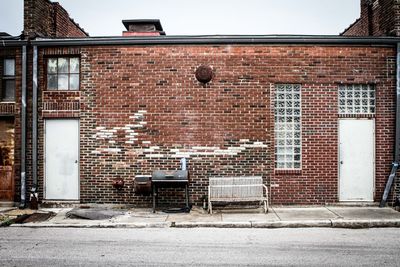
pixel 217 39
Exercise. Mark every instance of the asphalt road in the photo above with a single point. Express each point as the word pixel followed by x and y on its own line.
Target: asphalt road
pixel 199 246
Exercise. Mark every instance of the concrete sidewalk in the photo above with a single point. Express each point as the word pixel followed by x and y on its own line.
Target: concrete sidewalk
pixel 278 217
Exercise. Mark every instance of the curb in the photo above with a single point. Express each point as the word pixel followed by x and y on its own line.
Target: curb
pixel 337 223
pixel 94 225
pixel 357 224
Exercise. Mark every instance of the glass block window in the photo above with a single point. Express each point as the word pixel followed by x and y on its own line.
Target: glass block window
pixel 287 126
pixel 8 78
pixel 356 99
pixel 63 73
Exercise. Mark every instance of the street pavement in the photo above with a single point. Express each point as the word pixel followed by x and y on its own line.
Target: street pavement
pixel 277 217
pixel 199 247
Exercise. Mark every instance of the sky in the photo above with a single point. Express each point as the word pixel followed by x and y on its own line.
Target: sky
pixel 201 17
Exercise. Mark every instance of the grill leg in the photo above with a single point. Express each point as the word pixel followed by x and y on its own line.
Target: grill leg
pixel 187 196
pixel 154 198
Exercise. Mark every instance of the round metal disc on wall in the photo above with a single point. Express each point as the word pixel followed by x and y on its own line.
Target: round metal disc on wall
pixel 204 73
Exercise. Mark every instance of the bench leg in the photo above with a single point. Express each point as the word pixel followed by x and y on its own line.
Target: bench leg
pixel 265 206
pixel 209 207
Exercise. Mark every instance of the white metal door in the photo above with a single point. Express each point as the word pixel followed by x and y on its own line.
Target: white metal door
pixel 62 159
pixel 356 159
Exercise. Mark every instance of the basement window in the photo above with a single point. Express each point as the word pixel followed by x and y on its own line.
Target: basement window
pixel 357 99
pixel 63 73
pixel 8 86
pixel 287 126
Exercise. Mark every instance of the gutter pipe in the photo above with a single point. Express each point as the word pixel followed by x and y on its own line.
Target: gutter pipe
pixel 218 39
pixel 34 119
pixel 23 129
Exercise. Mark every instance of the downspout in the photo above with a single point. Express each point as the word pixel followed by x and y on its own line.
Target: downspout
pixel 34 119
pixel 395 164
pixel 23 130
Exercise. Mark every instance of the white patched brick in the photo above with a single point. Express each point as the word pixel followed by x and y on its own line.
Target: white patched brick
pixel 148 150
pixel 117 128
pixel 143 122
pixel 205 147
pixel 146 142
pixel 142 111
pixel 111 142
pixel 173 150
pixel 154 147
pixel 253 145
pixel 129 142
pixel 204 153
pixel 155 155
pixel 112 150
pixel 236 148
pixel 137 126
pixel 100 128
pixel 181 156
pixel 96 152
pixel 244 140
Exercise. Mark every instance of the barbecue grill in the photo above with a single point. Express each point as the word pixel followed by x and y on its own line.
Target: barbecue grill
pixel 164 179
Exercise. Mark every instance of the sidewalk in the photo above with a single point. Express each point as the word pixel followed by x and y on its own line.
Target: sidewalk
pixel 277 217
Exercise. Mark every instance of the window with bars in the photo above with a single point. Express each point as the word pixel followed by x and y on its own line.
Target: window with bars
pixel 63 73
pixel 8 86
pixel 287 126
pixel 356 99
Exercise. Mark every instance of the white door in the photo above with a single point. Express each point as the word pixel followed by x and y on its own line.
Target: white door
pixel 356 159
pixel 62 159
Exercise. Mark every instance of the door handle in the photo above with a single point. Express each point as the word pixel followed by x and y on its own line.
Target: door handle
pixel 76 161
pixel 341 162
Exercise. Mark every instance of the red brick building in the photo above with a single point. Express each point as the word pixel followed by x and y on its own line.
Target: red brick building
pixel 314 116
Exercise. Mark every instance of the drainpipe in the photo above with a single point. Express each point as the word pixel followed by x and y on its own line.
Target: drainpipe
pixel 34 119
pixel 395 164
pixel 23 130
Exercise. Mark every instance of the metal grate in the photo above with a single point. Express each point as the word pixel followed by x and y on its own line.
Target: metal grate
pixel 356 99
pixel 288 126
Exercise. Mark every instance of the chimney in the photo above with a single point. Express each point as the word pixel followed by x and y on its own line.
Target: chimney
pixel 143 27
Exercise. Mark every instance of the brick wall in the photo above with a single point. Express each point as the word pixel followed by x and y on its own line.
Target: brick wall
pixel 47 19
pixel 377 18
pixel 141 109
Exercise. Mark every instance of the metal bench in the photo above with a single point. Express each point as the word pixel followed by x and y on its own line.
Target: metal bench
pixel 237 189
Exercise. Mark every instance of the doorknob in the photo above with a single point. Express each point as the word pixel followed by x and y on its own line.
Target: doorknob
pixel 76 161
pixel 341 162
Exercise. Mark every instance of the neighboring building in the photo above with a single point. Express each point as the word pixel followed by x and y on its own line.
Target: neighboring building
pixel 377 18
pixel 314 116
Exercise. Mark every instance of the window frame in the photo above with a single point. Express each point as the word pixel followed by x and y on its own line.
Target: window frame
pixel 6 78
pixel 283 125
pixel 57 74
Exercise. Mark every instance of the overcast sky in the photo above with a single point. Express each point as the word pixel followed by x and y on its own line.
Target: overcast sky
pixel 201 17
